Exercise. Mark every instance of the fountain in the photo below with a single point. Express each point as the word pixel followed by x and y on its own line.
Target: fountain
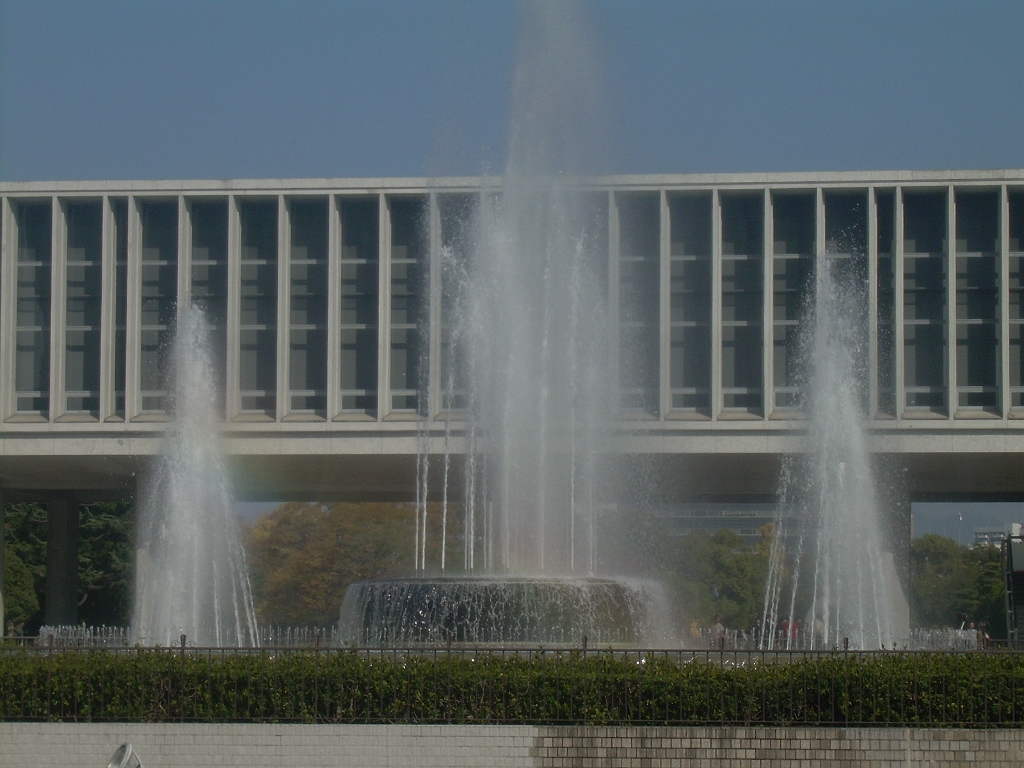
pixel 191 577
pixel 505 610
pixel 842 582
pixel 525 330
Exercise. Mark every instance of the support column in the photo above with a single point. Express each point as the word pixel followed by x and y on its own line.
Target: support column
pixel 284 312
pixel 334 309
pixel 8 304
pixel 1004 303
pixel 133 315
pixel 383 306
pixel 952 393
pixel 62 562
pixel 665 307
pixel 435 402
pixel 58 305
pixel 108 313
pixel 872 257
pixel 233 342
pixel 716 305
pixel 613 296
pixel 899 349
pixel 184 297
pixel 768 307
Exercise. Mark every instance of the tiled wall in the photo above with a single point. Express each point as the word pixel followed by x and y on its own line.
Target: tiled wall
pixel 454 746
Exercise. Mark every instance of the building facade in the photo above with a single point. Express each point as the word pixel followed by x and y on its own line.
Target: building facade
pixel 328 316
pixel 328 313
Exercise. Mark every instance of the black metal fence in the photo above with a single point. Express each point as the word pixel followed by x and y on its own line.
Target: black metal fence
pixel 514 686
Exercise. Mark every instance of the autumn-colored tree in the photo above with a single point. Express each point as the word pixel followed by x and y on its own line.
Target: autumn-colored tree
pixel 302 556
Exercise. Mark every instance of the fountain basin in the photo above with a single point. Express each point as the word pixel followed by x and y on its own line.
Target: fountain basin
pixel 502 610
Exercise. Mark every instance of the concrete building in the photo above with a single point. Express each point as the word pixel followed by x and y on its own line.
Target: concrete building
pixel 316 289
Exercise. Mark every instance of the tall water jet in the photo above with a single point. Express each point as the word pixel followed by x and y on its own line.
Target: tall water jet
pixel 525 378
pixel 191 576
pixel 842 580
pixel 524 324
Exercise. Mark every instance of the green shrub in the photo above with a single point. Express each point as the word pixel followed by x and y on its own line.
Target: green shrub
pixel 889 689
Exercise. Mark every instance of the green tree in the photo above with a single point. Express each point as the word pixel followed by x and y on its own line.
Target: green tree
pixel 25 530
pixel 21 603
pixel 717 575
pixel 951 584
pixel 104 561
pixel 991 589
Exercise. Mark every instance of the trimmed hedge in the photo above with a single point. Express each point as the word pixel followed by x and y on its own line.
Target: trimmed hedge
pixel 889 689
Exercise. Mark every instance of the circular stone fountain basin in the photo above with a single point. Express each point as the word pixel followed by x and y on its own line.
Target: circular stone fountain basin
pixel 503 610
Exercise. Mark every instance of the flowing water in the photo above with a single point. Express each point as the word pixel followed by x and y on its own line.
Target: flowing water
pixel 191 575
pixel 501 610
pixel 525 382
pixel 525 327
pixel 839 580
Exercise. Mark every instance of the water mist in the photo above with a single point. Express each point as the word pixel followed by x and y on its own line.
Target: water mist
pixel 525 326
pixel 842 580
pixel 191 575
pixel 526 380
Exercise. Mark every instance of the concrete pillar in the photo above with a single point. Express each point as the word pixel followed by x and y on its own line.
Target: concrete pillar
pixel 8 305
pixel 767 308
pixel 665 307
pixel 133 317
pixel 383 307
pixel 234 310
pixel 284 301
pixel 952 394
pixel 899 327
pixel 334 309
pixel 108 314
pixel 1004 303
pixel 434 399
pixel 184 298
pixel 614 243
pixel 62 562
pixel 716 305
pixel 58 306
pixel 872 256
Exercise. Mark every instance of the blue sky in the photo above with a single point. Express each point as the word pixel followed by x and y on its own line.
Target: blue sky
pixel 231 88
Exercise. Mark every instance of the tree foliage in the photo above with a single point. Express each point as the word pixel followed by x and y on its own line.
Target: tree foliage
pixel 20 600
pixel 952 584
pixel 303 556
pixel 717 575
pixel 25 531
pixel 104 563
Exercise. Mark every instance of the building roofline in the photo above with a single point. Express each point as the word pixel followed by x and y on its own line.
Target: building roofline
pixel 418 184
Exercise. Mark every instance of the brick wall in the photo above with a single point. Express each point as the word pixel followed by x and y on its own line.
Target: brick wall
pixel 456 746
